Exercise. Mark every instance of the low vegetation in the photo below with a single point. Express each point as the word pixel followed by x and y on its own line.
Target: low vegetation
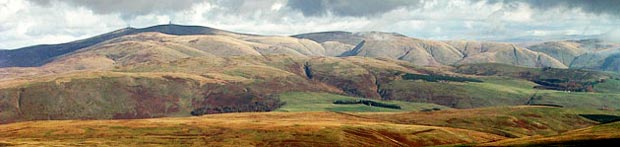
pixel 310 101
pixel 437 78
pixel 262 105
pixel 239 84
pixel 367 103
pixel 575 80
pixel 599 135
pixel 238 129
pixel 565 85
pixel 521 125
pixel 602 118
pixel 512 122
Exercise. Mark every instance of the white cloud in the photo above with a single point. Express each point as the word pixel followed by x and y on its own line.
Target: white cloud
pixel 276 6
pixel 26 23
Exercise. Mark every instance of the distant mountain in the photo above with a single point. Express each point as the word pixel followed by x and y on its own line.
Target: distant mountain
pixel 336 43
pixel 428 52
pixel 505 53
pixel 191 41
pixel 157 47
pixel 564 51
pixel 592 54
pixel 396 46
pixel 530 38
pixel 40 54
pixel 599 60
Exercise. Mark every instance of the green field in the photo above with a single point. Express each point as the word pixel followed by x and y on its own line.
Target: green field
pixel 501 91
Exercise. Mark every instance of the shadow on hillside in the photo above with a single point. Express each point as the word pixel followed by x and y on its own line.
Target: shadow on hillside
pixel 594 142
pixel 601 118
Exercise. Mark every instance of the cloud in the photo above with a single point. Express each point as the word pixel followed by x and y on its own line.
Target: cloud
pixel 608 7
pixel 27 24
pixel 128 9
pixel 613 35
pixel 356 8
pixel 30 22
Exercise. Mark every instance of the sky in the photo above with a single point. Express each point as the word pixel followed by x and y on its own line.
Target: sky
pixel 31 22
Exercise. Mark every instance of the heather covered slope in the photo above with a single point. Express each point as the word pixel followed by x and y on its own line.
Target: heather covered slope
pixel 176 88
pixel 496 126
pixel 599 135
pixel 241 129
pixel 513 122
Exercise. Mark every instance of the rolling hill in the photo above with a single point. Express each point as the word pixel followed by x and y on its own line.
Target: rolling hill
pixel 176 88
pixel 599 135
pixel 487 126
pixel 591 54
pixel 368 44
pixel 173 70
pixel 41 54
pixel 504 53
pixel 581 54
pixel 150 86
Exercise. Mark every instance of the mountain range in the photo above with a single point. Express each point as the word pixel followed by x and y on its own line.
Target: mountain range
pixel 581 54
pixel 171 70
pixel 430 87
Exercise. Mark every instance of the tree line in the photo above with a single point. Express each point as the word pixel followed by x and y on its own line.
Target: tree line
pixel 437 78
pixel 265 105
pixel 367 103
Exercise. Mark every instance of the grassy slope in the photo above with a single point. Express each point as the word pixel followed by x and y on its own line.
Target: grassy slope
pixel 304 102
pixel 446 127
pixel 600 135
pixel 516 121
pixel 523 89
pixel 241 129
pixel 506 85
pixel 459 95
pixel 517 72
pixel 609 86
pixel 501 91
pixel 180 86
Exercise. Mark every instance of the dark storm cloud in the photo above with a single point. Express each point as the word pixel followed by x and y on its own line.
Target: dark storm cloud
pixel 357 8
pixel 131 8
pixel 127 8
pixel 309 8
pixel 610 7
